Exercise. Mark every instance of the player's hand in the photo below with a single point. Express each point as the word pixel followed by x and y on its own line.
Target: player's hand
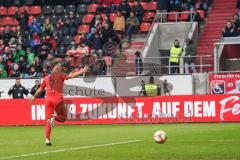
pixel 31 99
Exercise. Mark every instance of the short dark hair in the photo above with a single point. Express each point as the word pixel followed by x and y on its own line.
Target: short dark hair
pixel 54 63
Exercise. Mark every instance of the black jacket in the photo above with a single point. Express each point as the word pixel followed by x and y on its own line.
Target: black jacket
pixel 34 89
pixel 17 92
pixel 163 4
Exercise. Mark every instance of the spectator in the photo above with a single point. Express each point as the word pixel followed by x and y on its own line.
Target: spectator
pixel 12 43
pixel 35 88
pixel 174 59
pixel 59 31
pixel 124 8
pixel 38 65
pixel 132 25
pixel 22 65
pixel 47 28
pixel 30 56
pixel 190 54
pixel 47 63
pixel 175 5
pixel 22 18
pixel 17 91
pixel 138 10
pixel 91 34
pixel 108 34
pixel 97 22
pixel 236 22
pixel 71 25
pixel 19 31
pixel 2 63
pixel 238 6
pixel 115 4
pixel 97 45
pixel 105 6
pixel 50 43
pixel 35 42
pixel 18 53
pixel 119 23
pixel 32 73
pixel 14 73
pixel 229 30
pixel 2 46
pixel 83 50
pixel 138 63
pixel 163 8
pixel 3 73
pixel 7 34
pixel 35 27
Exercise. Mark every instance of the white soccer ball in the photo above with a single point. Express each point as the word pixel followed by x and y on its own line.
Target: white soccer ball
pixel 160 137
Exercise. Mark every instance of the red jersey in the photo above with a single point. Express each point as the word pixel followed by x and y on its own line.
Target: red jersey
pixel 54 84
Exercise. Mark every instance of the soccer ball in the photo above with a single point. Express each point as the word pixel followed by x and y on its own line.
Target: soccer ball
pixel 160 137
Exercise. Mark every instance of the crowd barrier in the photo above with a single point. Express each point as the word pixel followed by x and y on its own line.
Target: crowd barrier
pixel 122 110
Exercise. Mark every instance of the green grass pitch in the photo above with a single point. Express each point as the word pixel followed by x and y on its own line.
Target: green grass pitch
pixel 209 141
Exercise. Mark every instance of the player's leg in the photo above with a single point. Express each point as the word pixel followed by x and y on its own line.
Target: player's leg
pixel 61 112
pixel 49 114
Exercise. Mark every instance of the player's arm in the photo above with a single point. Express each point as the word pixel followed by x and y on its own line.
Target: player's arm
pixel 40 89
pixel 77 73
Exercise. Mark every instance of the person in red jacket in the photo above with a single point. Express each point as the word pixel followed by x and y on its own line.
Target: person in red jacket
pixel 50 43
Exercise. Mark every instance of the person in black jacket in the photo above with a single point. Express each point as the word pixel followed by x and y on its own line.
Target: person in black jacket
pixel 138 10
pixel 17 91
pixel 163 6
pixel 229 30
pixel 125 8
pixel 35 88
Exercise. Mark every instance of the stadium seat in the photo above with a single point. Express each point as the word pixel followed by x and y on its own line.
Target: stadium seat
pixel 13 28
pixel 54 19
pixel 3 11
pixel 82 9
pixel 10 21
pixel 24 8
pixel 58 9
pixel 144 5
pixel 77 39
pixel 113 16
pixel 172 16
pixel 12 10
pixel 202 14
pixel 70 8
pixel 47 10
pixel 35 10
pixel 64 17
pixel 87 18
pixel 145 27
pixel 83 28
pixel 131 4
pixel 152 6
pixel 28 2
pixel 41 19
pixel 2 29
pixel 149 16
pixel 104 16
pixel 184 16
pixel 66 40
pixel 30 19
pixel 92 8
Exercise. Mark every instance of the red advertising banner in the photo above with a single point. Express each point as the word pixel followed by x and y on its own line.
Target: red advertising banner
pixel 118 110
pixel 226 83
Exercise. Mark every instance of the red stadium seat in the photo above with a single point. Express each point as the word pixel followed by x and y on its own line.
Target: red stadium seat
pixel 184 16
pixel 24 8
pixel 149 16
pixel 77 39
pixel 8 21
pixel 35 10
pixel 30 19
pixel 12 10
pixel 13 28
pixel 145 27
pixel 14 22
pixel 113 16
pixel 152 6
pixel 131 4
pixel 144 5
pixel 202 14
pixel 3 11
pixel 104 16
pixel 2 29
pixel 93 8
pixel 87 18
pixel 84 28
pixel 172 16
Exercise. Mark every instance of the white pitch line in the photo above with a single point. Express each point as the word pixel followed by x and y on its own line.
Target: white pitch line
pixel 70 149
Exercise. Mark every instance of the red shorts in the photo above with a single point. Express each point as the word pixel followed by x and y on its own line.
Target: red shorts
pixel 52 104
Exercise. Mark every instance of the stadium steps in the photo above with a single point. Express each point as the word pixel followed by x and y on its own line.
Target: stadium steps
pixel 222 10
pixel 125 64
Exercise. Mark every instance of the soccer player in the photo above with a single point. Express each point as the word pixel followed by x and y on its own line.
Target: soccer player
pixel 54 98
